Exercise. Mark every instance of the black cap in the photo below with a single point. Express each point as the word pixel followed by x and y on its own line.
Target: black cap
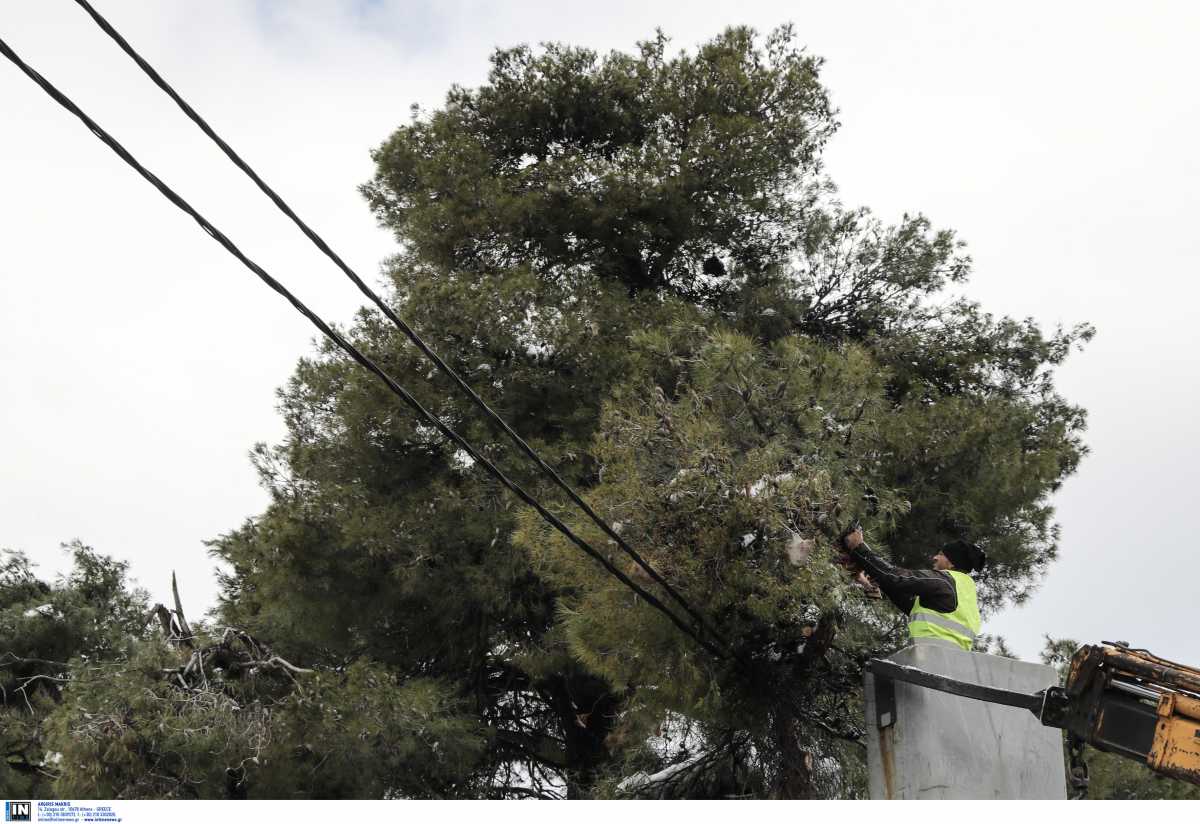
pixel 966 557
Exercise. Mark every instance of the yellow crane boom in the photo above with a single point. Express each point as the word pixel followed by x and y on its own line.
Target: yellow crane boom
pixel 1133 703
pixel 1117 699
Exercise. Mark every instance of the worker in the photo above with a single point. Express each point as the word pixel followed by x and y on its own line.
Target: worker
pixel 940 602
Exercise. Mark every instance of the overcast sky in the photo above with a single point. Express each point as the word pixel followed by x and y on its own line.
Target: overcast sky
pixel 140 361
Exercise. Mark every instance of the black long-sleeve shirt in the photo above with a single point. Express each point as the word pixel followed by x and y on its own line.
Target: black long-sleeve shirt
pixel 934 587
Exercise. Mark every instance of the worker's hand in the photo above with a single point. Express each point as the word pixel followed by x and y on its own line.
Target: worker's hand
pixel 864 582
pixel 853 540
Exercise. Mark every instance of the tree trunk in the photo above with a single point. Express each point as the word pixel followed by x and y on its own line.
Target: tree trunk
pixel 795 777
pixel 586 710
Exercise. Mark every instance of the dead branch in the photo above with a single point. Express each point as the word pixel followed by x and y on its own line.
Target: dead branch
pixel 184 629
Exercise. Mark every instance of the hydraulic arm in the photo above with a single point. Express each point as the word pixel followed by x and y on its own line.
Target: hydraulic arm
pixel 1121 700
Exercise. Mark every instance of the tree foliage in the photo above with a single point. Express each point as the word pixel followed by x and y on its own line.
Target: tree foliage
pixel 48 632
pixel 648 169
pixel 126 712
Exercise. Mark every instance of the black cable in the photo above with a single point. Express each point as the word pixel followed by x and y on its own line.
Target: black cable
pixel 345 345
pixel 395 319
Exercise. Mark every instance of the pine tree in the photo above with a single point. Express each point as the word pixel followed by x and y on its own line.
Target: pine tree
pixel 87 621
pixel 640 264
pixel 638 261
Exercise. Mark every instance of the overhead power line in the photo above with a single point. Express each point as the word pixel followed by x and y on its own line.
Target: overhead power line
pixel 347 347
pixel 393 317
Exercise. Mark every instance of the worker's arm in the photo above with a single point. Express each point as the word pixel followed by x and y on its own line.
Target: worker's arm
pixel 902 586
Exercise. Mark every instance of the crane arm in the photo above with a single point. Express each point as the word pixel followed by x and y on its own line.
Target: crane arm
pixel 1117 699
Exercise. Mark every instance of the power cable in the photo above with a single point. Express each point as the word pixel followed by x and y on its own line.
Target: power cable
pixel 345 345
pixel 393 317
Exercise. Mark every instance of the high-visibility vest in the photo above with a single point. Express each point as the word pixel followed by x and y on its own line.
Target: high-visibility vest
pixel 960 626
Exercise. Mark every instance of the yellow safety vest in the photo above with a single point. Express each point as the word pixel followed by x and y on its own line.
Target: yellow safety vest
pixel 960 626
